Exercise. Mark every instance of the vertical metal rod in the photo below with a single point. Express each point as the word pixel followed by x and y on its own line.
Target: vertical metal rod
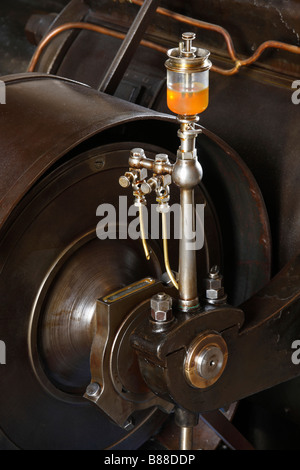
pixel 131 42
pixel 186 438
pixel 188 289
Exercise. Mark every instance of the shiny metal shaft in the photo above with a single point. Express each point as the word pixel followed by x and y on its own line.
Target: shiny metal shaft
pixel 186 438
pixel 188 291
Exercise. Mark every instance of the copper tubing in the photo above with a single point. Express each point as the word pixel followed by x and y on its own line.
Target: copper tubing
pixel 83 26
pixel 238 63
pixel 230 46
pixel 143 236
pixel 166 251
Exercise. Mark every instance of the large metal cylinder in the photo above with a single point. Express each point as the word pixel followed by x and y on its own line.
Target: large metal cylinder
pixel 63 147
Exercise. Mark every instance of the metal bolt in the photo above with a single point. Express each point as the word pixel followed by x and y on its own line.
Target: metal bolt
pixel 124 182
pixel 214 272
pixel 129 425
pixel 149 186
pixel 161 307
pixel 93 390
pixel 215 292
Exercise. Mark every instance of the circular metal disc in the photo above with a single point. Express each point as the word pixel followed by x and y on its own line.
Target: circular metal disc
pixel 54 268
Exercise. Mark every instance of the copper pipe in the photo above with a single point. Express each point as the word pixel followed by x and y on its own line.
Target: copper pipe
pixel 143 235
pixel 82 26
pixel 230 46
pixel 197 23
pixel 270 45
pixel 166 251
pixel 178 17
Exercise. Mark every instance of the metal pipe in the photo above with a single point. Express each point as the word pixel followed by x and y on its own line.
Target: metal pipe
pixel 143 235
pixel 109 32
pixel 238 63
pixel 87 27
pixel 158 168
pixel 166 251
pixel 188 135
pixel 188 289
pixel 186 438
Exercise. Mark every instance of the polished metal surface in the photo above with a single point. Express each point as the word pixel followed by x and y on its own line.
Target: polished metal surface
pixel 50 191
pixel 188 289
pixel 186 438
pixel 55 327
pixel 161 307
pixel 49 252
pixel 209 362
pixel 206 360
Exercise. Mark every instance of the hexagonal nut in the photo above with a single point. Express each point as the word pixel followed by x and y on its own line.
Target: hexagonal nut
pixel 161 307
pixel 161 158
pixel 211 284
pixel 215 294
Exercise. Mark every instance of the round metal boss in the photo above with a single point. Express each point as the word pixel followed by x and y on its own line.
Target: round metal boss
pixel 206 360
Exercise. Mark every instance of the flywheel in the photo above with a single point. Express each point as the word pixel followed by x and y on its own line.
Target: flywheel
pixel 73 145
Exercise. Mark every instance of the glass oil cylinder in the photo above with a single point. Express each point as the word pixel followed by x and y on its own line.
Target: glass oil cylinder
pixel 188 95
pixel 188 78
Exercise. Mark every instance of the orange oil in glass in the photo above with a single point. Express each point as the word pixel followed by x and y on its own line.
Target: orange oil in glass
pixel 189 102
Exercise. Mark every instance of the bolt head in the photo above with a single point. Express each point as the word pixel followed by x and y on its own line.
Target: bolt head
pixel 214 272
pixel 211 284
pixel 124 182
pixel 129 425
pixel 93 390
pixel 161 307
pixel 215 294
pixel 146 188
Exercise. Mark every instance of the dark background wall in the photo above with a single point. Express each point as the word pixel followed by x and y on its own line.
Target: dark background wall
pixel 15 50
